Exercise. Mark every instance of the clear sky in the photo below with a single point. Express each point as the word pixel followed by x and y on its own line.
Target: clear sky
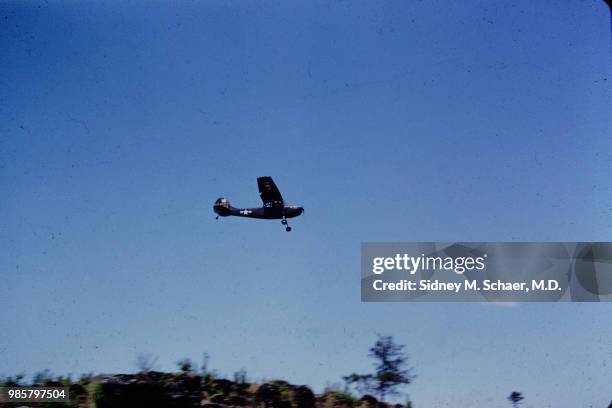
pixel 389 121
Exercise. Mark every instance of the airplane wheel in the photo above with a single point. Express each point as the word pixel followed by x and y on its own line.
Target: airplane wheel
pixel 288 229
pixel 284 222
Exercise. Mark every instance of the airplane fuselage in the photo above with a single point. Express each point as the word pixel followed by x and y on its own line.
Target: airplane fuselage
pixel 266 213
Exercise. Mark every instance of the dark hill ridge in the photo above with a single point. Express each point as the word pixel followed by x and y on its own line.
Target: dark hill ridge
pixel 187 390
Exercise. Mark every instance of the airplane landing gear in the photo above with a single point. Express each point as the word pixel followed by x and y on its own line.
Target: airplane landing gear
pixel 284 222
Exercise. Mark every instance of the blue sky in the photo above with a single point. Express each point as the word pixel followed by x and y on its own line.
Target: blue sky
pixel 389 121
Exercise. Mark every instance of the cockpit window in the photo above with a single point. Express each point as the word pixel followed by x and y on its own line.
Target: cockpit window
pixel 222 202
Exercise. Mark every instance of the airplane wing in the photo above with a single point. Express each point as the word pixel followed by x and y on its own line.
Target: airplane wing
pixel 269 192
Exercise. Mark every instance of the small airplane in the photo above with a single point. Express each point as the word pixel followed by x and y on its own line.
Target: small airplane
pixel 274 207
